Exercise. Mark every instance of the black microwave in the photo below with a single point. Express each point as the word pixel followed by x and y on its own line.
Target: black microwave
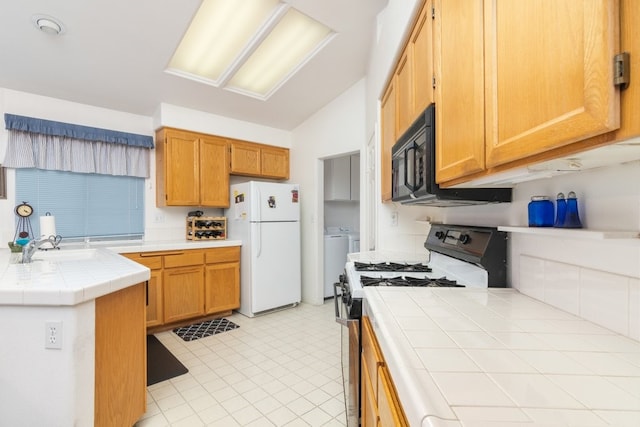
pixel 413 171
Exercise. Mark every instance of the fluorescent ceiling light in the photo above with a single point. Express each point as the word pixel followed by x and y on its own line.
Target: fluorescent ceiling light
pixel 248 46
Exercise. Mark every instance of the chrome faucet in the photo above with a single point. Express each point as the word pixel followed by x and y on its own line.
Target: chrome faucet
pixel 30 248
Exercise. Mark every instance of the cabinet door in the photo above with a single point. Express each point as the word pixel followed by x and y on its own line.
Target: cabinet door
pixel 337 178
pixel 549 75
pixel 355 176
pixel 183 293
pixel 389 410
pixel 421 42
pixel 120 357
pixel 274 162
pixel 368 405
pixel 245 158
pixel 181 172
pixel 154 299
pixel 459 88
pixel 222 287
pixel 404 90
pixel 214 172
pixel 387 139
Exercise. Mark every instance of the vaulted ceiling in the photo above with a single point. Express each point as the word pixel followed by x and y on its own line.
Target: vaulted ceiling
pixel 113 54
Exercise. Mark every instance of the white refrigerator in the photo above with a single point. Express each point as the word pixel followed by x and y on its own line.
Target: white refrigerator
pixel 265 216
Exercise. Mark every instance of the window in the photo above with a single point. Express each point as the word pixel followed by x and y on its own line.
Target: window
pixel 84 205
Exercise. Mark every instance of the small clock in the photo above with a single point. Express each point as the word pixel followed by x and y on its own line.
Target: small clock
pixel 24 210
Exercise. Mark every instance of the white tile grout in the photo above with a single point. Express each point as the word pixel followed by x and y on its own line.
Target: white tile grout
pixel 279 369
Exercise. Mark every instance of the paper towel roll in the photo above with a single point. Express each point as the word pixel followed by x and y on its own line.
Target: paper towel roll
pixel 48 228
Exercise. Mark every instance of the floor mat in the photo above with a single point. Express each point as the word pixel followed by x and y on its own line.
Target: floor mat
pixel 161 364
pixel 204 329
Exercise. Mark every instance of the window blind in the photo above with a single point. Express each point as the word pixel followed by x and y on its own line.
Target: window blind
pixel 84 205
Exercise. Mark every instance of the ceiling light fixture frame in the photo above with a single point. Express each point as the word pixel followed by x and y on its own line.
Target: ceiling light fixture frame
pixel 245 53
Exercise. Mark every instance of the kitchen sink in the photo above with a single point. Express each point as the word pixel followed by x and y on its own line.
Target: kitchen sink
pixel 56 255
pixel 64 254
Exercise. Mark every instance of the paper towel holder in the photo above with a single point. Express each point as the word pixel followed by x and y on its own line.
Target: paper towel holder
pixel 54 238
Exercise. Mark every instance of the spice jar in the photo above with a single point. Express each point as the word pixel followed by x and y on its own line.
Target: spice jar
pixel 540 212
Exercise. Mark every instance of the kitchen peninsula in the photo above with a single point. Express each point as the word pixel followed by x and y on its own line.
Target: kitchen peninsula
pixel 72 335
pixel 94 298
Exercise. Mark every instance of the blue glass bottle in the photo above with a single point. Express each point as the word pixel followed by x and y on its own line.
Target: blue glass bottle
pixel 572 219
pixel 561 210
pixel 540 212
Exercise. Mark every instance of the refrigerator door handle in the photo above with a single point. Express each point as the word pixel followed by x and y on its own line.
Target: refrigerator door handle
pixel 258 239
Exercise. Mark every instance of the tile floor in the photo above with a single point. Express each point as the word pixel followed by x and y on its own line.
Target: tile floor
pixel 278 369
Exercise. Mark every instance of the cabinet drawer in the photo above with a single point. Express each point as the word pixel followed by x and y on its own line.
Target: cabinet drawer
pixel 227 254
pixel 183 259
pixel 153 262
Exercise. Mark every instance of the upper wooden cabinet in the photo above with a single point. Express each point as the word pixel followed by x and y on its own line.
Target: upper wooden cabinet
pixel 459 92
pixel 548 75
pixel 409 91
pixel 266 161
pixel 192 169
pixel 514 83
pixel 387 139
pixel 535 82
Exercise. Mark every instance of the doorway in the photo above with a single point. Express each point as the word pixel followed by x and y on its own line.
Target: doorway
pixel 341 215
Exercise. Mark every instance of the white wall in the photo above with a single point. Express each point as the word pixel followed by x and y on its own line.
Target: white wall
pixel 336 129
pixel 44 386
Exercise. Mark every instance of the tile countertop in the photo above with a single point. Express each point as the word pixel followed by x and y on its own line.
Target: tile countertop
pixel 78 273
pixel 476 357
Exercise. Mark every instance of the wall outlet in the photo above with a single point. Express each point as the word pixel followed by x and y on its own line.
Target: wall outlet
pixel 394 219
pixel 158 218
pixel 53 335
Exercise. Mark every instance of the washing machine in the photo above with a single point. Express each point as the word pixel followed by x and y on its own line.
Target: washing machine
pixel 354 242
pixel 336 247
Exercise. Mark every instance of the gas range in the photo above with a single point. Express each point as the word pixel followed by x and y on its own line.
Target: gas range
pixel 458 256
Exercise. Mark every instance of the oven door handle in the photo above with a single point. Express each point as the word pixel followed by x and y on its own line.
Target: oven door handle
pixel 339 319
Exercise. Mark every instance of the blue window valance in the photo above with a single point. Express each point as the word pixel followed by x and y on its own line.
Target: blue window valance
pixel 52 128
pixel 49 145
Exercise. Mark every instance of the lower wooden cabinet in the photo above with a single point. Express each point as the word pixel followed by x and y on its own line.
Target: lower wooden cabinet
pixel 183 293
pixel 120 357
pixel 380 405
pixel 155 309
pixel 155 314
pixel 191 283
pixel 220 291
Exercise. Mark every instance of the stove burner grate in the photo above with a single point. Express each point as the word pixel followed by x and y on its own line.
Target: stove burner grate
pixel 392 266
pixel 408 281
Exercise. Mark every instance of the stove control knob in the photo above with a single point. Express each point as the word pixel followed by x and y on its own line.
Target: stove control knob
pixel 464 239
pixel 440 235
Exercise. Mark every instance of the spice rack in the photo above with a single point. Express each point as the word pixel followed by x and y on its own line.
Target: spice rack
pixel 206 228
